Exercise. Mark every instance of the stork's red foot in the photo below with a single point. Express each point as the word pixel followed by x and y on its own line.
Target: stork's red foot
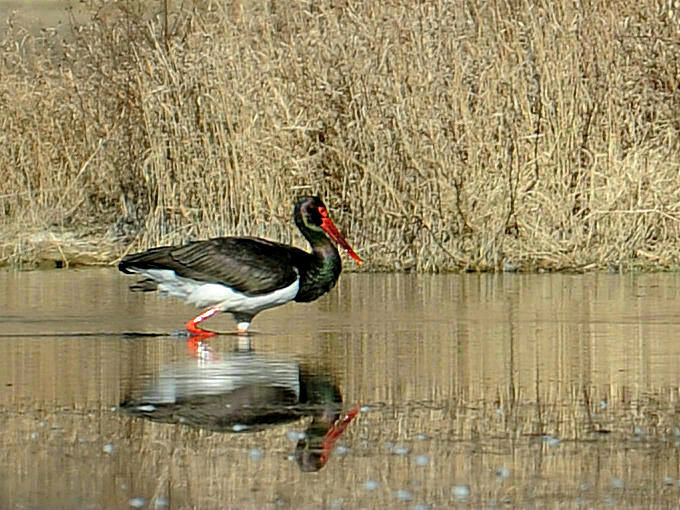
pixel 195 331
pixel 192 325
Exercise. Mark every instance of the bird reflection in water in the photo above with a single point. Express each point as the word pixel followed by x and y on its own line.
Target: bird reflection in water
pixel 244 392
pixel 314 448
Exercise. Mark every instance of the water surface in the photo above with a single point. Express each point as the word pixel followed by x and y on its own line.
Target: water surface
pixel 476 391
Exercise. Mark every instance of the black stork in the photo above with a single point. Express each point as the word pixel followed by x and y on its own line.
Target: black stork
pixel 245 275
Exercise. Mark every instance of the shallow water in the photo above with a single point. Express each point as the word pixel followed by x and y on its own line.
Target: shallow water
pixel 476 391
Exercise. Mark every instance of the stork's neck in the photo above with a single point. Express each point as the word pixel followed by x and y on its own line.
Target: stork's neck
pixel 321 269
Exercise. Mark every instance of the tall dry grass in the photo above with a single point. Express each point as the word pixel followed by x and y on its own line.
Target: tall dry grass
pixel 444 135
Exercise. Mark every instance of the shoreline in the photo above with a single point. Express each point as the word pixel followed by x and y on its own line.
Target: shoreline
pixel 48 250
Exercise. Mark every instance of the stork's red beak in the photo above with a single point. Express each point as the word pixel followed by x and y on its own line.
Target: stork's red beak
pixel 335 234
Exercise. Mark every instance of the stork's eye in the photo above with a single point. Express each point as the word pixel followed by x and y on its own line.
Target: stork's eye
pixel 315 215
pixel 312 215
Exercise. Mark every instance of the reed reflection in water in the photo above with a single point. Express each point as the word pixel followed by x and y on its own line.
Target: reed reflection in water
pixel 547 391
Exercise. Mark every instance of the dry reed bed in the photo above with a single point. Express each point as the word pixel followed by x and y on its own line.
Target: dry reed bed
pixel 444 135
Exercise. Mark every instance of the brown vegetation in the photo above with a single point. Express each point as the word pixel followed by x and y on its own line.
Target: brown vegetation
pixel 443 135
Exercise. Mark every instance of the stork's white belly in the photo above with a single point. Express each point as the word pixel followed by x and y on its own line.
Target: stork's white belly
pixel 205 295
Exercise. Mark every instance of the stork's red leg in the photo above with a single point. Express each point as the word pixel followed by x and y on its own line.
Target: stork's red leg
pixel 192 325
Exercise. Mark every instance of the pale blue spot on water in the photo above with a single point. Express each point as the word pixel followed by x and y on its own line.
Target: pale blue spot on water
pixel 460 491
pixel 499 411
pixel 108 448
pixel 239 427
pixel 400 450
pixel 603 404
pixel 371 485
pixel 365 409
pixel 668 481
pixel 617 483
pixel 551 441
pixel 422 460
pixel 146 408
pixel 161 502
pixel 389 445
pixel 295 435
pixel 421 437
pixel 137 502
pixel 403 495
pixel 502 473
pixel 341 450
pixel 255 454
pixel 421 506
